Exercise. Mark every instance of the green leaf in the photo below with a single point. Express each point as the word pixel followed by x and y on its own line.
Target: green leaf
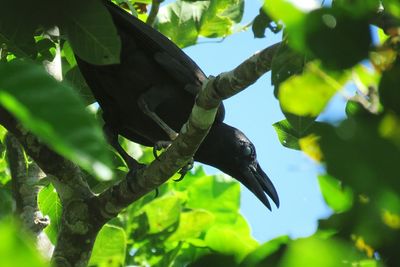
pixel 338 197
pixel 261 255
pixel 17 249
pixel 260 24
pixel 285 64
pixel 358 140
pixel 220 16
pixel 110 247
pixel 50 205
pixel 287 135
pixel 75 77
pixel 16 31
pixel 53 112
pixel 228 241
pixel 163 212
pixel 392 6
pixel 214 193
pixel 308 94
pixel 337 38
pixel 316 252
pixel 183 21
pixel 214 260
pixel 389 92
pixel 191 225
pixel 179 21
pixel 91 32
pixel 358 8
pixel 301 124
pixel 7 200
pixel 293 18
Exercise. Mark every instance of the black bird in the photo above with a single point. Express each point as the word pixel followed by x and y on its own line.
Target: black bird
pixel 152 91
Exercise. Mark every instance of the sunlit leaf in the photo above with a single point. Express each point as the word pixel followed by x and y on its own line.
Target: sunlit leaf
pixel 191 225
pixel 261 255
pixel 220 16
pixel 109 248
pixel 316 252
pixel 179 21
pixel 227 241
pixel 50 205
pixel 309 93
pixel 17 248
pixel 163 212
pixel 338 197
pixel 293 18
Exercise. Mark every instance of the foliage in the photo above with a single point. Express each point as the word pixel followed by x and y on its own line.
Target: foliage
pixel 197 222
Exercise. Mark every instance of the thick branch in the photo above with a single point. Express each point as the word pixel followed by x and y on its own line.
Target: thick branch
pixel 62 171
pixel 25 188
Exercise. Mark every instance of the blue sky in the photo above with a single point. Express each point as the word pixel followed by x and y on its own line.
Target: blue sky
pixel 254 111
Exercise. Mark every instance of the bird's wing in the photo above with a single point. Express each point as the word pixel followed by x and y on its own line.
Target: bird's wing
pixel 154 41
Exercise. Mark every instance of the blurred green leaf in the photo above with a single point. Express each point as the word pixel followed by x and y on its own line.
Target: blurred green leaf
pixel 191 225
pixel 389 92
pixel 17 248
pixel 392 6
pixel 292 17
pixel 110 247
pixel 52 111
pixel 214 193
pixel 7 201
pixel 309 93
pixel 50 205
pixel 94 42
pixel 337 38
pixel 338 197
pixel 214 260
pixel 358 8
pixel 163 212
pixel 285 64
pixel 357 140
pixel 316 252
pixel 228 241
pixel 75 77
pixel 262 256
pixel 260 24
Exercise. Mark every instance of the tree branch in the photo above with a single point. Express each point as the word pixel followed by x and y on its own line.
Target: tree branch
pixel 25 188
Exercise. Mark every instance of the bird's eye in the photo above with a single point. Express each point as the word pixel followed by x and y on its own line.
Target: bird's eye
pixel 247 151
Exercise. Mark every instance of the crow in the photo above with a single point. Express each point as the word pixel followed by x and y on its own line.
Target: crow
pixel 149 95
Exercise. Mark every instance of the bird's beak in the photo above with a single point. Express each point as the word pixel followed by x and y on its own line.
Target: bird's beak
pixel 260 184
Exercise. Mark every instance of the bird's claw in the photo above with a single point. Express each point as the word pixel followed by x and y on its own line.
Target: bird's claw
pixel 159 145
pixel 185 170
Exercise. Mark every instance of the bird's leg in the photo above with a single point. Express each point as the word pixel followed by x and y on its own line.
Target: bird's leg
pixel 185 169
pixel 146 110
pixel 159 145
pixel 112 138
pixel 154 97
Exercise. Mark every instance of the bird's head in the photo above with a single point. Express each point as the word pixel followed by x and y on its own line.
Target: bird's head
pixel 229 150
